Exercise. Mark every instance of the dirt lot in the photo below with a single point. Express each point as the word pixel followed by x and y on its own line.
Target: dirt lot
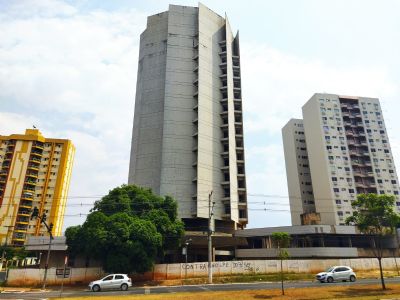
pixel 334 292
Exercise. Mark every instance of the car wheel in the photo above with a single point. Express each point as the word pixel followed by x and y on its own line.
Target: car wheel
pixel 352 278
pixel 329 279
pixel 124 287
pixel 96 288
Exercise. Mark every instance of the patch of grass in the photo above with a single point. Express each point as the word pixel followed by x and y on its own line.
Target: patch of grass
pixel 354 292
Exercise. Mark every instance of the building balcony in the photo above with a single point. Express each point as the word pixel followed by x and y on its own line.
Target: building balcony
pixel 20 229
pixel 243 220
pixel 225 153
pixel 223 53
pixel 226 215
pixel 33 167
pixel 25 205
pixel 239 149
pixel 225 183
pixel 28 190
pixel 224 113
pixel 37 145
pixel 22 222
pixel 225 168
pixel 36 153
pixel 24 213
pixel 32 175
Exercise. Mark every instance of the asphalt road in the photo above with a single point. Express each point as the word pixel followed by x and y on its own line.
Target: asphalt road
pixel 187 288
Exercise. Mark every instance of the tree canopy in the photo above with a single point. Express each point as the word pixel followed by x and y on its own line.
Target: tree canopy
pixel 128 230
pixel 374 215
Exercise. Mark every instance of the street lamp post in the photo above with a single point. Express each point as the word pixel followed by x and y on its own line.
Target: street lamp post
pixel 42 218
pixel 187 242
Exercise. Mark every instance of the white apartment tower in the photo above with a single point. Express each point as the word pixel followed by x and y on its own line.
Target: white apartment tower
pixel 301 197
pixel 187 135
pixel 348 153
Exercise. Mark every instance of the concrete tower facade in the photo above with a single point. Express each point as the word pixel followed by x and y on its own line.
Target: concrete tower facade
pixel 301 196
pixel 34 172
pixel 187 135
pixel 348 152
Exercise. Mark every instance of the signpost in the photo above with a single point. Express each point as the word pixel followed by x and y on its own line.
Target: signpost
pixel 64 273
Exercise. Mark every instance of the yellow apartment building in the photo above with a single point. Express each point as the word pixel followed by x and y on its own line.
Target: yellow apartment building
pixel 34 172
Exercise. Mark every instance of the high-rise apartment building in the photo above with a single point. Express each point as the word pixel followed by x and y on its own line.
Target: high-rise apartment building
pixel 188 130
pixel 301 196
pixel 34 172
pixel 347 152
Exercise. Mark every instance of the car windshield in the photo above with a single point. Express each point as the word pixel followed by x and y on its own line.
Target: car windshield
pixel 329 269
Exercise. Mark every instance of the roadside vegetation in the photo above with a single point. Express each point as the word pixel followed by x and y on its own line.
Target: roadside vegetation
pixel 128 230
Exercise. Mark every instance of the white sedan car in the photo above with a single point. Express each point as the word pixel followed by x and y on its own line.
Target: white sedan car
pixel 112 281
pixel 337 273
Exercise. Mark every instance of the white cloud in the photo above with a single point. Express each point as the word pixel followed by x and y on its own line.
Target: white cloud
pixel 276 84
pixel 39 8
pixel 16 123
pixel 73 75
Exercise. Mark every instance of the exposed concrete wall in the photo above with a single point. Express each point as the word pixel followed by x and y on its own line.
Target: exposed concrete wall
pixel 147 134
pixel 26 277
pixel 34 277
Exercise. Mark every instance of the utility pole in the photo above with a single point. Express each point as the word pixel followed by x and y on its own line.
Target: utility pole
pixel 42 218
pixel 210 215
pixel 187 242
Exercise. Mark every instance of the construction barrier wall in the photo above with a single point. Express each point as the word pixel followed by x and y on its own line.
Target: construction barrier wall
pixel 161 272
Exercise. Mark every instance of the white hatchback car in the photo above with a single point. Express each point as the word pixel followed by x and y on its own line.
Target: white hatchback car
pixel 337 273
pixel 112 281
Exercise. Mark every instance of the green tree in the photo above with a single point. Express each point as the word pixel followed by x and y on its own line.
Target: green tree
pixel 374 215
pixel 128 230
pixel 281 240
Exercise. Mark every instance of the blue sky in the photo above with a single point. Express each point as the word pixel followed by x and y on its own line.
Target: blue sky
pixel 69 67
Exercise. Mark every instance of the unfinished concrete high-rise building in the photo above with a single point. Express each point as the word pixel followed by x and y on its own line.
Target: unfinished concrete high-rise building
pixel 340 150
pixel 187 135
